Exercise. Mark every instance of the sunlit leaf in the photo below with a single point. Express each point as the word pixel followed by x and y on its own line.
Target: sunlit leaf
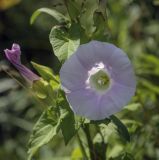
pixel 55 14
pixel 44 130
pixel 64 42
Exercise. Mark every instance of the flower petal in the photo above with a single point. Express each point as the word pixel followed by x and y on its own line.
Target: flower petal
pixel 85 103
pixel 72 74
pixel 120 94
pixel 13 56
pixel 107 107
pixel 94 52
pixel 83 99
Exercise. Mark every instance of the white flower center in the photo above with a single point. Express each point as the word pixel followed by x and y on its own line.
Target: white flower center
pixel 98 78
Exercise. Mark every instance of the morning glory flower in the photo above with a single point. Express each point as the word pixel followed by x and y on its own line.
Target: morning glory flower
pixel 98 80
pixel 13 56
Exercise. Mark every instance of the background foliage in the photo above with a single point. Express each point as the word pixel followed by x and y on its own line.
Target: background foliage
pixel 134 27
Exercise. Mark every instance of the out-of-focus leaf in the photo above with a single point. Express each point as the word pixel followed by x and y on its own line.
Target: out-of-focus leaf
pixel 152 28
pixel 121 128
pixel 156 2
pixel 6 84
pixel 5 4
pixel 16 121
pixel 133 107
pixel 124 156
pixel 61 158
pixel 64 42
pixel 44 130
pixel 76 154
pixel 115 151
pixel 150 86
pixel 55 14
pixel 132 125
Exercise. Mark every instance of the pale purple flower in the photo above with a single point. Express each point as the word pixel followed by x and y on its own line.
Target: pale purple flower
pixel 98 80
pixel 13 56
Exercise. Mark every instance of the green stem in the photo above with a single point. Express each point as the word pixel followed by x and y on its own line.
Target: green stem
pixel 90 143
pixel 82 147
pixel 102 146
pixel 99 131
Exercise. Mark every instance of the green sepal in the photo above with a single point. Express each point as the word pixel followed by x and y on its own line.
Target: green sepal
pixel 105 121
pixel 43 91
pixel 46 73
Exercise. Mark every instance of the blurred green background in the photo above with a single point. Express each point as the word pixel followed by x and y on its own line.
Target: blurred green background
pixel 134 26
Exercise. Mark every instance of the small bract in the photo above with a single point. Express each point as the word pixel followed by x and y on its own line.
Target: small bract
pixel 98 80
pixel 13 56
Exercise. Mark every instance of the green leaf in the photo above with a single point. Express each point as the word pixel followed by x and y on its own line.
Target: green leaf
pixel 121 128
pixel 132 125
pixel 44 130
pixel 73 9
pixel 102 31
pixel 115 150
pixel 86 18
pixel 124 156
pixel 64 42
pixel 66 117
pixel 102 8
pixel 55 14
pixel 45 72
pixel 151 86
